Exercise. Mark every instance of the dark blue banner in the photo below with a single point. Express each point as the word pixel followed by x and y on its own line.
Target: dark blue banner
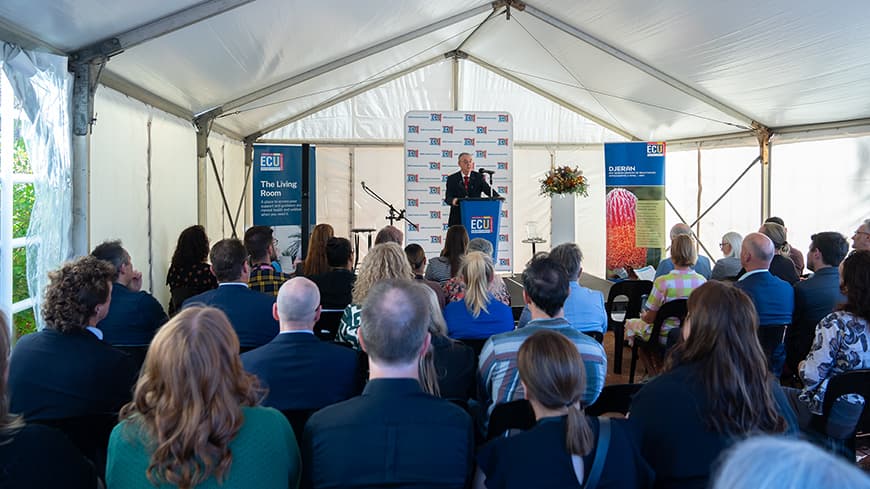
pixel 277 186
pixel 481 219
pixel 634 164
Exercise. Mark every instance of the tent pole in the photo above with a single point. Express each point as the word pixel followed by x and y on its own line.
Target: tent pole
pixel 455 83
pixel 202 131
pixel 763 135
pixel 82 118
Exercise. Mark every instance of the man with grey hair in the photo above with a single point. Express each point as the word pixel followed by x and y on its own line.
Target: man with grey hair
pixel 389 234
pixel 773 297
pixel 300 371
pixel 702 266
pixel 584 308
pixel 861 238
pixel 387 436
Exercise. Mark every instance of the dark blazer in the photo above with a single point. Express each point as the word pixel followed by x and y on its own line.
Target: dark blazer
pixel 133 318
pixel 456 367
pixel 784 268
pixel 54 375
pixel 336 287
pixel 302 372
pixel 773 298
pixel 393 435
pixel 814 298
pixel 456 189
pixel 250 312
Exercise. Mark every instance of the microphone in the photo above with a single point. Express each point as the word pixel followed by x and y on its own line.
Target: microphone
pixel 363 183
pixel 484 171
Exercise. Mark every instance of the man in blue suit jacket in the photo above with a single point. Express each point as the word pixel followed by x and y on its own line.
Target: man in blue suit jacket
pixel 300 371
pixel 817 296
pixel 249 312
pixel 773 297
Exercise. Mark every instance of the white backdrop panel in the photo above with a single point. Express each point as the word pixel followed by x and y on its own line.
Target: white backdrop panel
pixel 334 189
pixel 381 170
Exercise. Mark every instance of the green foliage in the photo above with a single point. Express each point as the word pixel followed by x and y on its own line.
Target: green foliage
pixel 23 198
pixel 24 323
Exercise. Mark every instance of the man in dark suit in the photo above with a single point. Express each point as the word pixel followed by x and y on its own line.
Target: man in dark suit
pixel 464 183
pixel 773 297
pixel 300 371
pixel 249 312
pixel 135 315
pixel 394 435
pixel 336 285
pixel 817 296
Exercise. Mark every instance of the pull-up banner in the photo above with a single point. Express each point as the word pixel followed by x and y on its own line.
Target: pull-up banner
pixel 635 204
pixel 277 192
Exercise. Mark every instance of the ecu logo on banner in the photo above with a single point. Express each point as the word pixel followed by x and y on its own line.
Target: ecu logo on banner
pixel 413 129
pixel 435 117
pixel 468 141
pixel 502 142
pixel 271 162
pixel 434 190
pixel 481 129
pixel 502 165
pixel 503 118
pixel 447 129
pixel 413 203
pixel 435 239
pixel 655 149
pixel 434 165
pixel 413 178
pixel 470 117
pixel 413 153
pixel 434 141
pixel 481 225
pixel 447 153
pixel 434 214
pixel 480 153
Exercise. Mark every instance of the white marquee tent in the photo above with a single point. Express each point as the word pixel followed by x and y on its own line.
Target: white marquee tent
pixel 170 78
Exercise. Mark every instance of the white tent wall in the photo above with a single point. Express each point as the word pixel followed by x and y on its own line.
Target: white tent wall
pixel 334 188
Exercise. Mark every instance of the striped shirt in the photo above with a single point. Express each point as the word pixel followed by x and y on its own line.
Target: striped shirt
pixel 500 375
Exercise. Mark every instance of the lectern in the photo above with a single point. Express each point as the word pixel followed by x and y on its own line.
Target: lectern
pixel 480 216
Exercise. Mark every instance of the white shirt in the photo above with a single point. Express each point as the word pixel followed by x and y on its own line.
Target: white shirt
pixel 96 331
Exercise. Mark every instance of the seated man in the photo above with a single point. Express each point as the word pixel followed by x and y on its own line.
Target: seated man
pixel 702 266
pixel 300 371
pixel 336 285
pixel 249 312
pixel 584 308
pixel 389 234
pixel 394 435
pixel 135 314
pixel 261 248
pixel 773 297
pixel 546 288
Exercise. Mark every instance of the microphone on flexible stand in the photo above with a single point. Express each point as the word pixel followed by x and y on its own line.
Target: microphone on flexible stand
pixel 484 171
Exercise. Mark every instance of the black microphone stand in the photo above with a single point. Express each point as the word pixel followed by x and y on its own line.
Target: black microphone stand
pixel 394 214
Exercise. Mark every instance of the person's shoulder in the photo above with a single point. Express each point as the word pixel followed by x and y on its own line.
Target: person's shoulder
pixel 263 415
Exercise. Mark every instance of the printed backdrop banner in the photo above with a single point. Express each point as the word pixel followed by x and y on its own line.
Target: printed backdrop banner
pixel 277 191
pixel 433 142
pixel 635 203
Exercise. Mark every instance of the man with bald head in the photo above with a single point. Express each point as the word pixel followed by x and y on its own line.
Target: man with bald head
pixel 773 297
pixel 300 371
pixel 702 266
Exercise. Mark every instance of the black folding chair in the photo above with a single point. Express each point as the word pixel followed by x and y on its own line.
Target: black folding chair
pixel 514 415
pixel 89 433
pixel 297 419
pixel 633 291
pixel 327 327
pixel 613 399
pixel 654 348
pixel 852 382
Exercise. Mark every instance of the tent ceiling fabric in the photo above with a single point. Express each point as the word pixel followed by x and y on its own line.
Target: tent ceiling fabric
pixel 781 63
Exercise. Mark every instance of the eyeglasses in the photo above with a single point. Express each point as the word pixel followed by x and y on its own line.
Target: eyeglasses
pixel 722 245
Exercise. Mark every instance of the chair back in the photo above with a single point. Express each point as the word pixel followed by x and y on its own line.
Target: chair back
pixel 297 419
pixel 673 309
pixel 326 327
pixel 595 335
pixel 514 415
pixel 613 399
pixel 633 290
pixel 89 433
pixel 852 382
pixel 476 344
pixel 136 353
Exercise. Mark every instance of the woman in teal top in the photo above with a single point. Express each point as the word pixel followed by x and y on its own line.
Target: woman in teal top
pixel 194 420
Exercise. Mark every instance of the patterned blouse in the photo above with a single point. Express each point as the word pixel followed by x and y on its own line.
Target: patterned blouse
pixel 348 330
pixel 454 290
pixel 675 284
pixel 841 345
pixel 188 281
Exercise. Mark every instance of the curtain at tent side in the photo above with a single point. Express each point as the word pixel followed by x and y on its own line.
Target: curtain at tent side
pixel 43 86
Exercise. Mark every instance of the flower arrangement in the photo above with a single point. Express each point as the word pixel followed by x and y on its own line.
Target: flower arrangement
pixel 563 180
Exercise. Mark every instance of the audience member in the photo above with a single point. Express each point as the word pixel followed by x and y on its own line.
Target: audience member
pixel 584 308
pixel 728 267
pixel 135 314
pixel 35 456
pixel 300 371
pixel 842 343
pixel 394 435
pixel 417 259
pixel 767 462
pixel 453 372
pixel 66 370
pixel 478 315
pixel 817 296
pixel 702 263
pixel 189 272
pixel 565 448
pixel 780 265
pixel 261 249
pixel 315 261
pixel 454 289
pixel 383 261
pixel 794 254
pixel 676 284
pixel 442 267
pixel 861 238
pixel 773 298
pixel 545 284
pixel 336 285
pixel 714 390
pixel 194 420
pixel 249 312
pixel 389 234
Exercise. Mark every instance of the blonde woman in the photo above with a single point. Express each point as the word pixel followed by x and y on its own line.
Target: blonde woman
pixel 383 261
pixel 479 315
pixel 194 420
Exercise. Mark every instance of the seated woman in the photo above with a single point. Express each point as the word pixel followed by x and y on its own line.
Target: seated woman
pixel 454 289
pixel 194 420
pixel 35 456
pixel 729 267
pixel 189 272
pixel 315 262
pixel 781 266
pixel 478 315
pixel 564 448
pixel 715 389
pixel 676 284
pixel 383 261
pixel 842 344
pixel 441 268
pixel 451 372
